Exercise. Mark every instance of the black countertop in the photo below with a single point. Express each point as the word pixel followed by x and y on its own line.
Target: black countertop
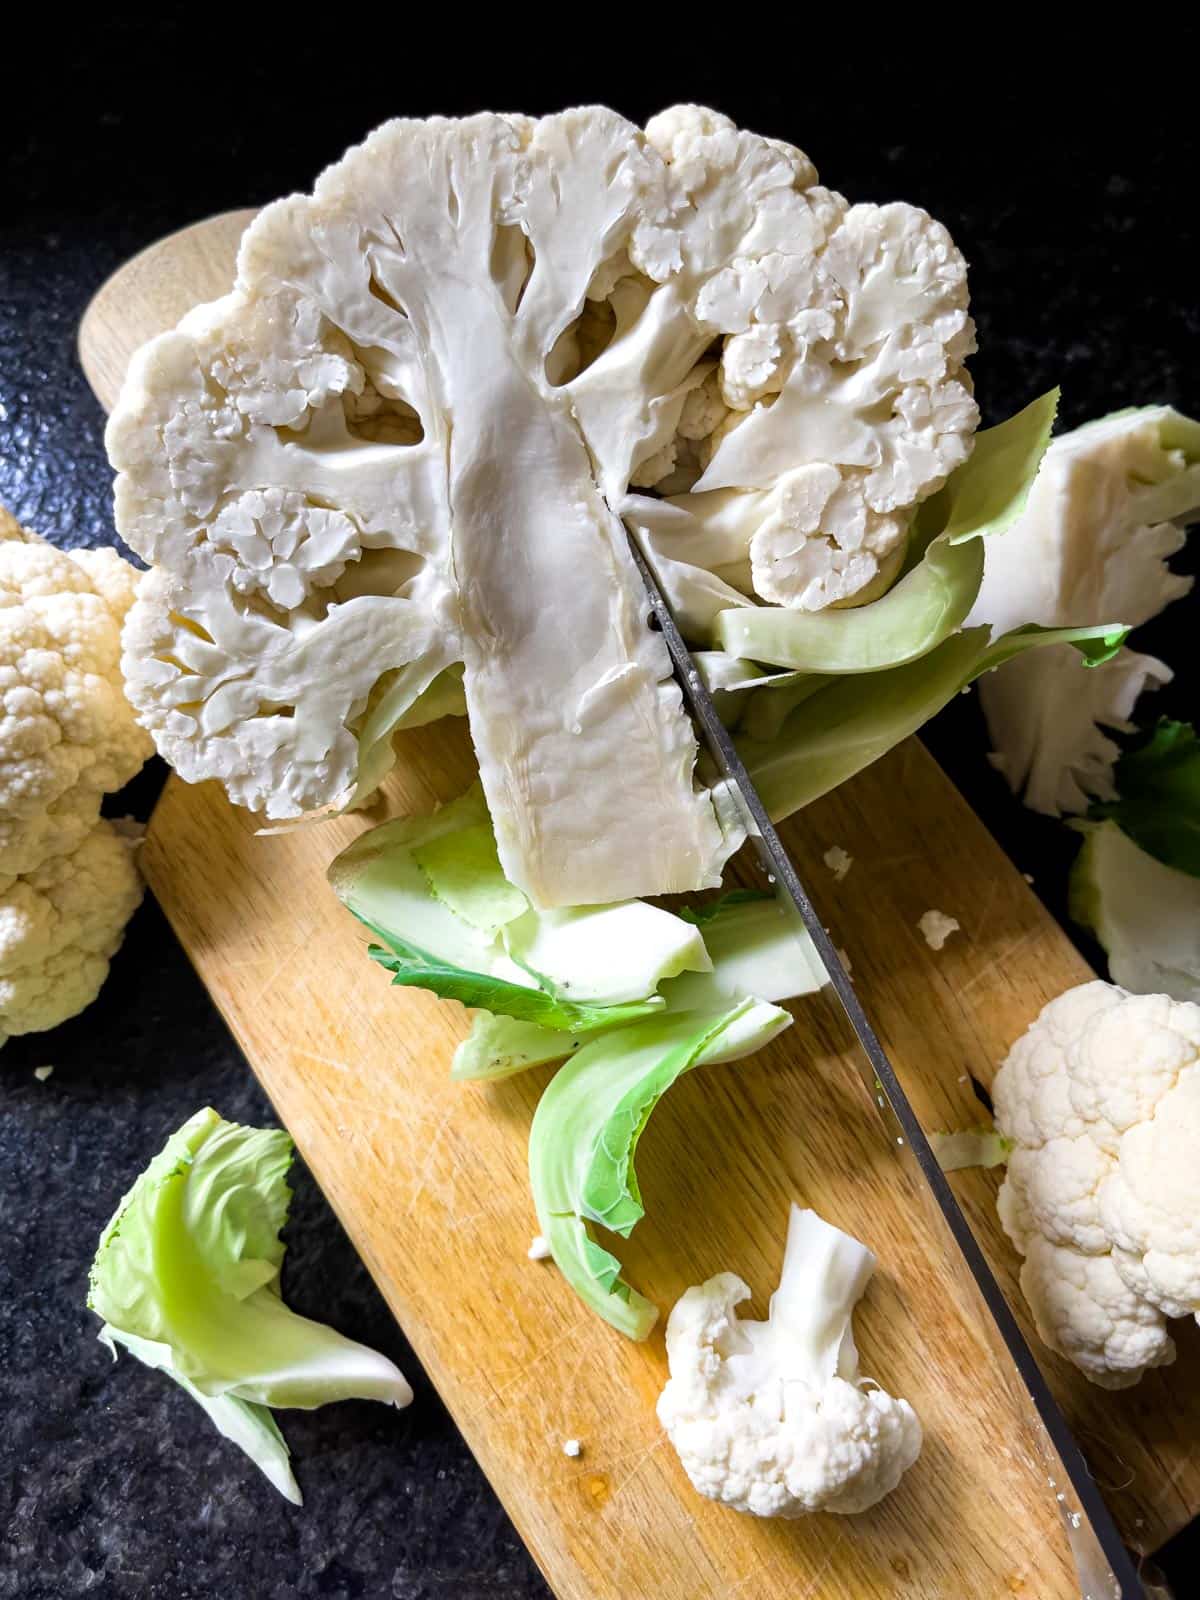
pixel 1079 218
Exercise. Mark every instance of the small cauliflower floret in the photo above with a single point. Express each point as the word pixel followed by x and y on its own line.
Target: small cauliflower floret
pixel 60 925
pixel 1101 1100
pixel 772 1417
pixel 1108 509
pixel 67 735
pixel 410 436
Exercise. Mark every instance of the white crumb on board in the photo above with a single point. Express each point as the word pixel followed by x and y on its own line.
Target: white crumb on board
pixel 936 927
pixel 539 1248
pixel 42 1073
pixel 572 1448
pixel 838 861
pixel 1028 876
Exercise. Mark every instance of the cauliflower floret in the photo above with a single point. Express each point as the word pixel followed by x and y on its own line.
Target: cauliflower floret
pixel 60 925
pixel 772 1417
pixel 466 348
pixel 284 546
pixel 1101 1099
pixel 67 734
pixel 68 884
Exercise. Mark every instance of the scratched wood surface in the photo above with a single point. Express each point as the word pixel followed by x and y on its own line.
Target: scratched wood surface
pixel 429 1176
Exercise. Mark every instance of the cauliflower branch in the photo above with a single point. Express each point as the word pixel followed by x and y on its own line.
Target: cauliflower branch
pixel 1101 1101
pixel 412 434
pixel 772 1417
pixel 1108 510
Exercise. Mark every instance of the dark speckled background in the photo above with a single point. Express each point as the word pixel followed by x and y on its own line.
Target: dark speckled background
pixel 1073 196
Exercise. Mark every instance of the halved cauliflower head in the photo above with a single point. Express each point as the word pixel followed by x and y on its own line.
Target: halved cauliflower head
pixel 411 435
pixel 1101 1098
pixel 772 1417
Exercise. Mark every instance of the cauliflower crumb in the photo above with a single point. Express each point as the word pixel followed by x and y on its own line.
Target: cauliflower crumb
pixel 838 861
pixel 936 927
pixel 42 1073
pixel 845 960
pixel 572 1448
pixel 539 1248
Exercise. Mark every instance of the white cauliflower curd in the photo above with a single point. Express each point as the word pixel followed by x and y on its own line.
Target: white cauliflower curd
pixel 60 925
pixel 772 1417
pixel 1100 1099
pixel 68 884
pixel 413 434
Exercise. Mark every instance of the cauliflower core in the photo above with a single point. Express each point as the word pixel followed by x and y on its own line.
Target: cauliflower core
pixel 411 435
pixel 68 884
pixel 772 1417
pixel 1101 1099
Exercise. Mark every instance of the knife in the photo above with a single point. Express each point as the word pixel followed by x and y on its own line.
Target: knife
pixel 1103 1564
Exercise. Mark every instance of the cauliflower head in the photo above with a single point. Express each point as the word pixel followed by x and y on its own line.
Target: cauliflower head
pixel 772 1417
pixel 60 925
pixel 67 733
pixel 1108 509
pixel 413 434
pixel 1101 1100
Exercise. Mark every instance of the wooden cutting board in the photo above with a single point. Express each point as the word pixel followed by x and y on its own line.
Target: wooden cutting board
pixel 428 1176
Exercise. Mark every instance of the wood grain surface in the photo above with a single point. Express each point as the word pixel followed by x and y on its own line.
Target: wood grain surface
pixel 429 1176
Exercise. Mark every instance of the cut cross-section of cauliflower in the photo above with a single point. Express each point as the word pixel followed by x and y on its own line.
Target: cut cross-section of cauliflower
pixel 1101 1100
pixel 851 371
pixel 772 1417
pixel 411 434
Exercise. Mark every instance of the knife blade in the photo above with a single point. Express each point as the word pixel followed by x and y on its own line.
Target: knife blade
pixel 1103 1564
